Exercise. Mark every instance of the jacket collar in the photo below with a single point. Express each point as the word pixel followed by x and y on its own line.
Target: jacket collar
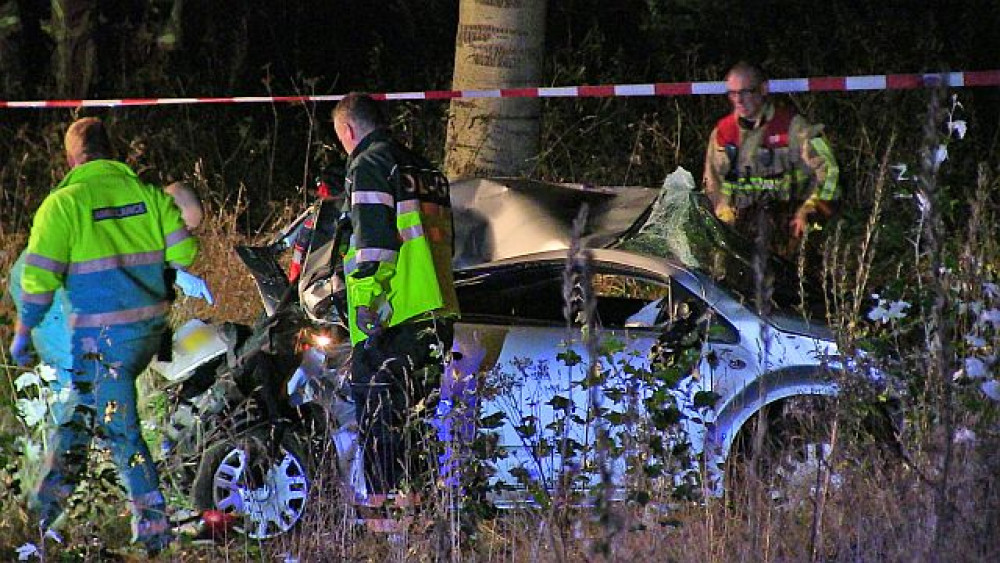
pixel 370 139
pixel 94 168
pixel 766 113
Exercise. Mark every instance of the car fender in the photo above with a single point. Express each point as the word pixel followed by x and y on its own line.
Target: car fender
pixel 767 389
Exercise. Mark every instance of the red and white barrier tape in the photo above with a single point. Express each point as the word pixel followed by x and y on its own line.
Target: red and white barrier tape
pixel 786 85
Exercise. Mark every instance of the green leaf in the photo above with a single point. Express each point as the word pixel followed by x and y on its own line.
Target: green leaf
pixel 559 402
pixel 495 420
pixel 610 346
pixel 663 419
pixel 706 399
pixel 527 428
pixel 570 358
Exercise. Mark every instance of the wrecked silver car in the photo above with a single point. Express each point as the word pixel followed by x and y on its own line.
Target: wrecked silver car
pixel 676 276
pixel 646 358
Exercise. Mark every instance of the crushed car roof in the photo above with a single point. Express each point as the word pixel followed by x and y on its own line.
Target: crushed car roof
pixel 499 218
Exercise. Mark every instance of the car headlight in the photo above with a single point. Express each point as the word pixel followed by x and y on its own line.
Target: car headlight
pixel 321 339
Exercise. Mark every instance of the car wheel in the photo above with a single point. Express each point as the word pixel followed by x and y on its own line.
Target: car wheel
pixel 265 487
pixel 804 444
pixel 787 449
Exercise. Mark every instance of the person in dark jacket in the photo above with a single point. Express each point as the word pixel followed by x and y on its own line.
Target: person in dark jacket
pixel 400 292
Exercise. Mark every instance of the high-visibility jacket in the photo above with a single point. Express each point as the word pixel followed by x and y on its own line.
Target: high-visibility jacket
pixel 779 157
pixel 401 248
pixel 106 237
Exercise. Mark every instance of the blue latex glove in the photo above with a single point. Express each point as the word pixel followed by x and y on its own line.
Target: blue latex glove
pixel 193 286
pixel 20 348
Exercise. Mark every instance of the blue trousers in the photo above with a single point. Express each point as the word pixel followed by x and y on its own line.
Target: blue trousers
pixel 106 363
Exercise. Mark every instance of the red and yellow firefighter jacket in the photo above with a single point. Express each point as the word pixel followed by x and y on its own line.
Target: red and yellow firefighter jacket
pixel 780 157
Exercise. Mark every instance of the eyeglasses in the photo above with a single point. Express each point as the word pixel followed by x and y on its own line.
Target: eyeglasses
pixel 742 93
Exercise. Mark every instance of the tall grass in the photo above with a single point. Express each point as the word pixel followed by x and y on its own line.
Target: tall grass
pixel 938 500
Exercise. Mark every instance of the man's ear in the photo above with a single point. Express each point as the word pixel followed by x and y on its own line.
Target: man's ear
pixel 764 88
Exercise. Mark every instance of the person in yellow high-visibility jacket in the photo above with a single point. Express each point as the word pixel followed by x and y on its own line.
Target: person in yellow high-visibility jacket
pixel 400 292
pixel 106 238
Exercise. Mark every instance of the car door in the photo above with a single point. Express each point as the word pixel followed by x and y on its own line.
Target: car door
pixel 514 332
pixel 511 345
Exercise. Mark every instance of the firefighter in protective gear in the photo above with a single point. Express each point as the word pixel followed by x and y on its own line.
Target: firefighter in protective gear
pixel 400 291
pixel 106 238
pixel 766 157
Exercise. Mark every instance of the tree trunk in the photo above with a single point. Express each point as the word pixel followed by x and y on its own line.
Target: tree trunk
pixel 76 53
pixel 499 44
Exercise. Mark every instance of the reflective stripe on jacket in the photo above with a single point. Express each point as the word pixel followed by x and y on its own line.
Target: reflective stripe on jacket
pixel 782 157
pixel 401 247
pixel 106 237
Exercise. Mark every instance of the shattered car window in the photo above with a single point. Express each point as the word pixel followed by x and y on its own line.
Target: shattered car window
pixel 682 226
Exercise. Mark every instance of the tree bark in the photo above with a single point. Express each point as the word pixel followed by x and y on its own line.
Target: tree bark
pixel 76 53
pixel 499 44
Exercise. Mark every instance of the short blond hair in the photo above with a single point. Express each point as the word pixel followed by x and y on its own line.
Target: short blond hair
pixel 87 139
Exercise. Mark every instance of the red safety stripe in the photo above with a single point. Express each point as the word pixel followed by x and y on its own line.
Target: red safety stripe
pixel 817 84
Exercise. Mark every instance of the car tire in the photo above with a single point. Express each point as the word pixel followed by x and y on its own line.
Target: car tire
pixel 803 446
pixel 265 488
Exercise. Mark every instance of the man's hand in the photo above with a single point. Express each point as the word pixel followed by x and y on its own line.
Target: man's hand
pixel 20 347
pixel 371 320
pixel 798 225
pixel 193 286
pixel 725 213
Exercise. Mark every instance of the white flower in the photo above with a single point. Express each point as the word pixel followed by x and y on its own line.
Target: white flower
pixel 991 389
pixel 879 314
pixel 899 171
pixel 885 312
pixel 53 535
pixel 975 341
pixel 27 551
pixel 975 368
pixel 897 309
pixel 991 290
pixel 27 379
pixel 46 372
pixel 965 436
pixel 991 316
pixel 32 411
pixel 957 128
